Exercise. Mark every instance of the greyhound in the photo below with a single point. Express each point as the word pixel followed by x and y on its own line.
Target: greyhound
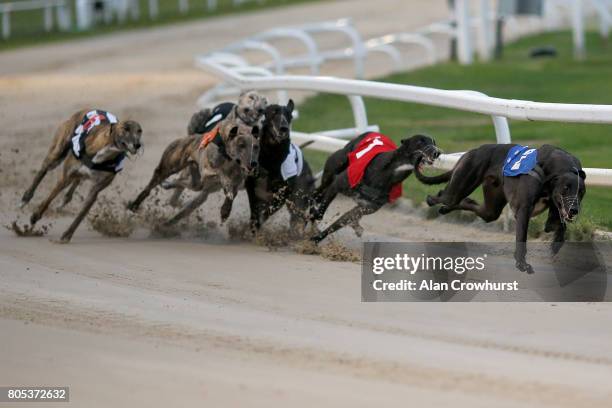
pixel 284 176
pixel 99 145
pixel 556 184
pixel 233 151
pixel 380 174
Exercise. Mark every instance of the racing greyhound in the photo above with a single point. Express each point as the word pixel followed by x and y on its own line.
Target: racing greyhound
pixel 556 183
pixel 380 179
pixel 99 143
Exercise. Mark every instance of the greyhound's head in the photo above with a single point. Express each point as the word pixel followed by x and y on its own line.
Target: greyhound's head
pixel 568 190
pixel 242 146
pixel 278 122
pixel 127 136
pixel 251 107
pixel 420 149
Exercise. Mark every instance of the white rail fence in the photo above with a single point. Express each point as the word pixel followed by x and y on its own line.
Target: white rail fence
pixel 499 109
pixel 119 10
pixel 356 50
pixel 48 7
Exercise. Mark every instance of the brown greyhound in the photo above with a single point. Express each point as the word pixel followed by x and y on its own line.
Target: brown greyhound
pixel 93 145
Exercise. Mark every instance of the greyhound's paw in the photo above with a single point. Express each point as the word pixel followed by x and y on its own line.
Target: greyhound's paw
pixel 224 215
pixel 316 239
pixel 34 218
pixel 132 206
pixel 430 201
pixel 555 247
pixel 444 210
pixel 523 266
pixel 315 214
pixel 358 229
pixel 25 199
pixel 65 239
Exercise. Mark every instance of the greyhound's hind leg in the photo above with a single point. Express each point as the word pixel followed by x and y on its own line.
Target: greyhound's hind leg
pixel 70 193
pixel 489 210
pixel 175 199
pixel 63 182
pixel 351 217
pixel 190 207
pixel 54 158
pixel 493 205
pixel 159 175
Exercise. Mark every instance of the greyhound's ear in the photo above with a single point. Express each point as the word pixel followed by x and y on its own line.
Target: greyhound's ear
pixel 290 105
pixel 255 132
pixel 233 132
pixel 582 174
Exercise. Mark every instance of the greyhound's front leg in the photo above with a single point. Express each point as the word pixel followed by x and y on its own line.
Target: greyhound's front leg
pixel 329 194
pixel 89 202
pixel 249 185
pixel 522 215
pixel 106 153
pixel 553 223
pixel 226 208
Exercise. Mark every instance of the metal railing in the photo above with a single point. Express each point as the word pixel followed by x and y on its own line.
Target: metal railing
pixel 46 6
pixel 499 109
pixel 357 50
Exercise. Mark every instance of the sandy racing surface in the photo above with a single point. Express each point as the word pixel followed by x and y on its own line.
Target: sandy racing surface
pixel 211 319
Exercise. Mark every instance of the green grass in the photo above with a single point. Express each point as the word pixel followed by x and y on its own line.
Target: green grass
pixel 515 76
pixel 27 27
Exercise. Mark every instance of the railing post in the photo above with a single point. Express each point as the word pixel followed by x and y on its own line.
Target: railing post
pixel 484 32
pixel 502 129
pixel 63 16
pixel 359 113
pixel 464 37
pixel 83 14
pixel 6 22
pixel 578 29
pixel 153 9
pixel 135 10
pixel 211 5
pixel 48 17
pixel 183 6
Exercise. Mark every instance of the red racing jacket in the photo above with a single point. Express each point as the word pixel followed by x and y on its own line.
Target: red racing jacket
pixel 359 159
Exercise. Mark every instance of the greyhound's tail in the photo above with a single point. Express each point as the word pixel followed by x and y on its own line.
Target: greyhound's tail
pixel 197 123
pixel 439 179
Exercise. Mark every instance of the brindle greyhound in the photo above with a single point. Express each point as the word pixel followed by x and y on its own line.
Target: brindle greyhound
pixel 556 184
pixel 274 187
pixel 384 171
pixel 99 144
pixel 233 153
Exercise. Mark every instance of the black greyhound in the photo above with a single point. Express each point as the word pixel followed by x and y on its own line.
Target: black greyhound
pixel 278 182
pixel 383 172
pixel 555 184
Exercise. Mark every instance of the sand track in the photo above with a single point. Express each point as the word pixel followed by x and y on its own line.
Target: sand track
pixel 167 322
